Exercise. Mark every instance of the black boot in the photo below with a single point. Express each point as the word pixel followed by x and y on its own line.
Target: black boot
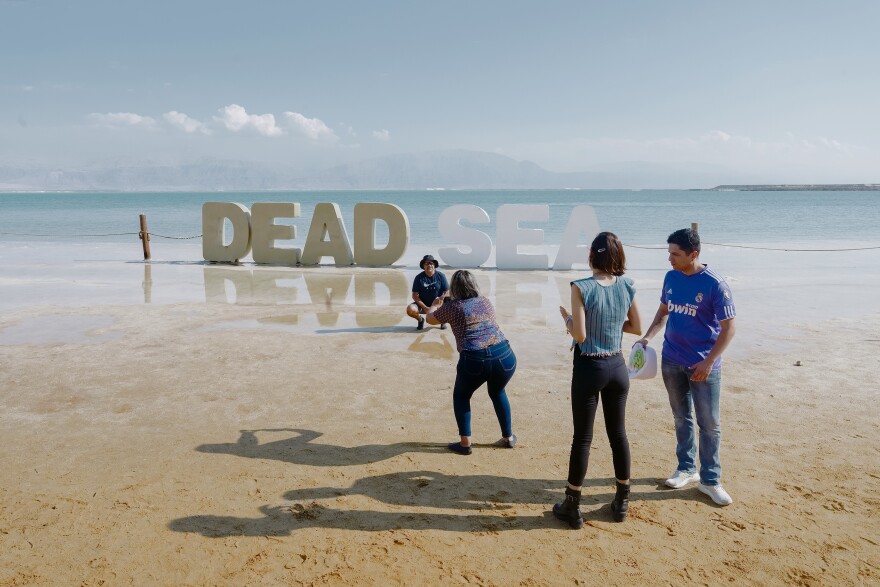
pixel 620 505
pixel 569 510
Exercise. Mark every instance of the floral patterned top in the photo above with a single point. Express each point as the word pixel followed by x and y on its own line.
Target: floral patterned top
pixel 472 321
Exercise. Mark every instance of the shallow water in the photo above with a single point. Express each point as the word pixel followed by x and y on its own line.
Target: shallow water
pixel 776 292
pixel 60 329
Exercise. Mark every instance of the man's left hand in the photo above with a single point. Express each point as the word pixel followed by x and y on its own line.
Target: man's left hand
pixel 702 370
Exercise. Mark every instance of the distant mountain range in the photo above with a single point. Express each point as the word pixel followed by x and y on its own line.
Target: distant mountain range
pixel 806 187
pixel 439 169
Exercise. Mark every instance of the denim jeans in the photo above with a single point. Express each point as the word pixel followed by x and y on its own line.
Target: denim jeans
pixel 702 398
pixel 494 366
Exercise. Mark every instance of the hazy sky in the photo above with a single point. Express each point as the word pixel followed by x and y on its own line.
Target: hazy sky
pixel 776 89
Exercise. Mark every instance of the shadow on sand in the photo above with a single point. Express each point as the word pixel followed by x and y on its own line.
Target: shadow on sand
pixel 300 449
pixel 435 500
pixel 484 503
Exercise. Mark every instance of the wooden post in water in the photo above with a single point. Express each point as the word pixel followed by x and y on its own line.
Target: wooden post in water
pixel 145 237
pixel 695 226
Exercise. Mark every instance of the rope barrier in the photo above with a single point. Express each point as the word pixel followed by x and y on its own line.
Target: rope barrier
pixel 152 234
pixel 786 249
pixel 175 237
pixel 156 235
pixel 794 250
pixel 641 247
pixel 69 235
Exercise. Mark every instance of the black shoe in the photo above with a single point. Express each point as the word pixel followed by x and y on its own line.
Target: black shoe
pixel 620 505
pixel 569 510
pixel 421 325
pixel 458 448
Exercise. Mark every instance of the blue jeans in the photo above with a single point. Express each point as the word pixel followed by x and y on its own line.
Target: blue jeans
pixel 494 366
pixel 702 398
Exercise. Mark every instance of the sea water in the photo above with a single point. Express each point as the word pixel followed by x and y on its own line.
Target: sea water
pixel 81 249
pixel 638 217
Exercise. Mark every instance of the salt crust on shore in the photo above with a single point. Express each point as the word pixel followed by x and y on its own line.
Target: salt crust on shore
pixel 203 444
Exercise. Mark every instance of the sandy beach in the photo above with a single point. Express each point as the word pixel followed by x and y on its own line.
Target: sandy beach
pixel 212 215
pixel 248 438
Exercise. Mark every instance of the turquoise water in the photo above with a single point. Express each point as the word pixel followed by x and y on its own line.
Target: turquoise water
pixel 642 217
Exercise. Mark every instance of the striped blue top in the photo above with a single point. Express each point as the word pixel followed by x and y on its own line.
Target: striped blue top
pixel 606 308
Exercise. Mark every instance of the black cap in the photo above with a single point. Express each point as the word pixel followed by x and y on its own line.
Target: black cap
pixel 427 258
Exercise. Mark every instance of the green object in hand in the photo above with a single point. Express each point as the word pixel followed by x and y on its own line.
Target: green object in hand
pixel 638 358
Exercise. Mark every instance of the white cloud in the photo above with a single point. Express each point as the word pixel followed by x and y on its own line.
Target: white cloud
pixel 831 144
pixel 719 135
pixel 382 135
pixel 236 119
pixel 123 119
pixel 185 123
pixel 313 128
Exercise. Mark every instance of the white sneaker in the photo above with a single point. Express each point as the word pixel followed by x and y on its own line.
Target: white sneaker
pixel 717 493
pixel 682 479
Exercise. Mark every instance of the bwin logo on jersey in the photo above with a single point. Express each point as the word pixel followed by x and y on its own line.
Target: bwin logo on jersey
pixel 685 309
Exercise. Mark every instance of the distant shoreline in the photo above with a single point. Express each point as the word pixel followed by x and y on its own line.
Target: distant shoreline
pixel 843 187
pixel 832 187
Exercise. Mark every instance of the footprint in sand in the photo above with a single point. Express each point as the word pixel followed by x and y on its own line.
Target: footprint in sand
pixel 725 524
pixel 835 506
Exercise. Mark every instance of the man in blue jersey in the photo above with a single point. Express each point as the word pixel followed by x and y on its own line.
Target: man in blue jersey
pixel 697 308
pixel 428 285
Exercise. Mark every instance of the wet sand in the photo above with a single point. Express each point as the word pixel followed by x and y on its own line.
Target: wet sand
pixel 289 428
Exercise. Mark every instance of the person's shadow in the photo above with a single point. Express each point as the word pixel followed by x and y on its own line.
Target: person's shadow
pixel 419 489
pixel 300 449
pixel 439 490
pixel 427 489
pixel 285 520
pixel 485 500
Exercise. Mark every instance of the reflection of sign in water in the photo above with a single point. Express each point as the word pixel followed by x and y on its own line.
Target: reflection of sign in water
pixel 440 349
pixel 327 236
pixel 329 291
pixel 377 298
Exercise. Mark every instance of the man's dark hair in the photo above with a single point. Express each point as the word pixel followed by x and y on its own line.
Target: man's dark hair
pixel 687 240
pixel 606 254
pixel 463 286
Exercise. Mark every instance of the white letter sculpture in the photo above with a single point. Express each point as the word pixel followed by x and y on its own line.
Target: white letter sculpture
pixel 508 236
pixel 327 219
pixel 214 216
pixel 365 216
pixel 266 232
pixel 582 221
pixel 451 229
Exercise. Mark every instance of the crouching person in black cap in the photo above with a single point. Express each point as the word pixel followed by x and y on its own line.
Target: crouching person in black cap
pixel 428 286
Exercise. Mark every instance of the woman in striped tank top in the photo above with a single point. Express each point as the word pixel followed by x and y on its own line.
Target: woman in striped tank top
pixel 603 308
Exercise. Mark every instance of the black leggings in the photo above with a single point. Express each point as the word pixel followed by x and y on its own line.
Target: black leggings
pixel 590 378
